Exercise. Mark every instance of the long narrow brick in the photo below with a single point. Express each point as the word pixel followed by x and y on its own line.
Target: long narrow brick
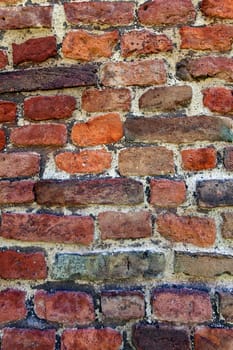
pixel 25 17
pixel 203 265
pixel 48 78
pixel 47 228
pixel 111 13
pixel 108 267
pixel 178 129
pixel 25 339
pixel 77 192
pixel 215 193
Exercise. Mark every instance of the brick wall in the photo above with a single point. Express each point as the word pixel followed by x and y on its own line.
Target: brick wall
pixel 116 164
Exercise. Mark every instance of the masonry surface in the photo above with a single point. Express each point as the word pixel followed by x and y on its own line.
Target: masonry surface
pixel 116 175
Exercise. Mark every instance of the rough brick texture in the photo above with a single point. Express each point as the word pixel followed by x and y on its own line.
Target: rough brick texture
pixel 24 339
pixel 181 305
pixel 116 175
pixel 66 307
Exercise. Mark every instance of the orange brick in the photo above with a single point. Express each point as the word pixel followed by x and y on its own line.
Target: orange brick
pixel 218 99
pixel 167 193
pixel 199 159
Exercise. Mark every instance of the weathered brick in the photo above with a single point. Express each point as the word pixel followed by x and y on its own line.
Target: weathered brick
pixel 226 305
pixel 106 100
pixel 3 59
pixel 165 12
pixel 98 130
pixel 147 72
pixel 7 111
pixel 94 12
pixel 228 158
pixel 15 264
pixel 220 8
pixel 166 98
pixel 108 266
pixel 227 225
pixel 48 78
pixel 16 192
pixel 25 339
pixel 218 37
pixel 181 305
pixel 178 129
pixel 144 42
pixel 167 193
pixel 145 161
pixel 2 139
pixel 70 308
pixel 19 164
pixel 39 135
pixel 91 338
pixel 34 50
pixel 25 17
pixel 49 107
pixel 187 229
pixel 218 99
pixel 213 338
pixel 78 192
pixel 203 265
pixel 115 225
pixel 12 305
pixel 85 46
pixel 122 306
pixel 147 337
pixel 47 228
pixel 215 193
pixel 205 67
pixel 88 161
pixel 195 159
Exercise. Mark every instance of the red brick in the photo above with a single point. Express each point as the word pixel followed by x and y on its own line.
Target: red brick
pixel 147 72
pixel 39 135
pixel 166 12
pixel 98 191
pixel 199 159
pixel 47 228
pixel 213 338
pixel 19 265
pixel 16 192
pixel 217 37
pixel 25 17
pixel 115 225
pixel 228 158
pixel 85 46
pixel 2 139
pixel 25 339
pixel 166 98
pixel 99 130
pixel 70 308
pixel 94 12
pixel 34 50
pixel 167 193
pixel 122 306
pixel 49 107
pixel 90 338
pixel 143 42
pixel 205 67
pixel 218 99
pixel 3 59
pixel 19 164
pixel 187 229
pixel 106 100
pixel 12 305
pixel 144 161
pixel 218 8
pixel 7 111
pixel 88 161
pixel 181 305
